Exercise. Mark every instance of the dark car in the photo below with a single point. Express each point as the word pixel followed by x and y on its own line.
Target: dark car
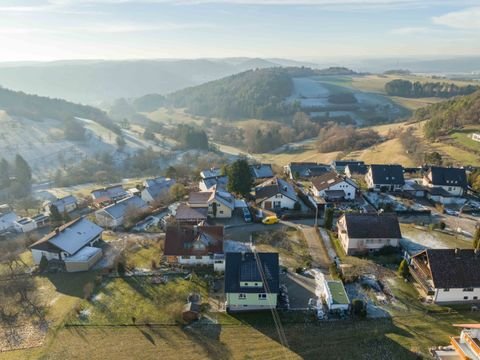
pixel 246 215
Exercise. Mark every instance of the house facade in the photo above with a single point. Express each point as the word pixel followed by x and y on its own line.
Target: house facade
pixel 341 165
pixel 332 186
pixel 113 215
pixel 251 281
pixel 304 170
pixel 452 180
pixel 448 275
pixel 66 204
pixel 385 178
pixel 7 218
pixel 218 202
pixel 275 194
pixel 362 233
pixel 193 245
pixel 71 244
pixel 156 188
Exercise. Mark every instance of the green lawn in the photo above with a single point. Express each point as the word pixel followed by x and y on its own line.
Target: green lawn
pixel 465 139
pixel 120 299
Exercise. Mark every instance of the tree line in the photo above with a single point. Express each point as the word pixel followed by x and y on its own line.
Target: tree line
pixel 417 89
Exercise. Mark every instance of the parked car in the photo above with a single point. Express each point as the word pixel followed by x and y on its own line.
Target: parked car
pixel 270 220
pixel 246 215
pixel 451 212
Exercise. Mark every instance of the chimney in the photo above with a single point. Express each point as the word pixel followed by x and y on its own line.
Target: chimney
pixel 57 230
pixel 476 252
pixel 457 253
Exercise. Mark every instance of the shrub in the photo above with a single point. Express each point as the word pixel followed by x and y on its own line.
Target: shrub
pixel 359 308
pixel 121 268
pixel 403 269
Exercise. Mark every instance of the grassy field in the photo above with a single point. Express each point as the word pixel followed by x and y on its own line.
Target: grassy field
pixel 464 138
pixel 293 252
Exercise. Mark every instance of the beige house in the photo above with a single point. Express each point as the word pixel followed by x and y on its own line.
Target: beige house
pixel 219 203
pixel 362 233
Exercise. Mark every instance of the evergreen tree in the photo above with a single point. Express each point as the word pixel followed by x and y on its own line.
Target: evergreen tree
pixel 4 174
pixel 329 219
pixel 239 177
pixel 23 173
pixel 55 216
pixel 43 264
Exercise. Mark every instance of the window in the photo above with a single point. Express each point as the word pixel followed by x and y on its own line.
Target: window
pixel 185 257
pixel 242 296
pixel 245 284
pixel 475 298
pixel 468 289
pixel 221 211
pixel 446 290
pixel 198 257
pixel 262 296
pixel 465 298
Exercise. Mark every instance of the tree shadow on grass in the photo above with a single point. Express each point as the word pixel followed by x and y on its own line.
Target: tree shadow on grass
pixel 70 283
pixel 341 339
pixel 207 335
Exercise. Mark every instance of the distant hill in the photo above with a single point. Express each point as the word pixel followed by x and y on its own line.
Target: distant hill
pixel 34 107
pixel 95 81
pixel 257 94
pixel 448 115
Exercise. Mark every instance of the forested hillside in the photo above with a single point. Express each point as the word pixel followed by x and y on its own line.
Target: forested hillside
pixel 252 94
pixel 17 103
pixel 447 115
pixel 417 89
pixel 256 94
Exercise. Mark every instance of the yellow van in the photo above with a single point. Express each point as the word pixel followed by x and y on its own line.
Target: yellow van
pixel 269 220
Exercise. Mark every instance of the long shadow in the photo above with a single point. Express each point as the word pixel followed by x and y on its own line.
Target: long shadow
pixel 147 336
pixel 338 339
pixel 71 283
pixel 207 336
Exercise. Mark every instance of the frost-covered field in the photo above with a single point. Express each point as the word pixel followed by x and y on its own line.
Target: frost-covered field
pixel 41 143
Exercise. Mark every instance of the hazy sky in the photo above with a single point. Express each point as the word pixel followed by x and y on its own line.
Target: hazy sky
pixel 302 29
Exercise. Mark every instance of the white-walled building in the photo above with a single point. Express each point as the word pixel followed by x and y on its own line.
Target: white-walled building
pixel 448 275
pixel 193 244
pixel 334 187
pixel 275 194
pixel 113 215
pixel 385 177
pixel 66 204
pixel 452 180
pixel 72 243
pixel 361 233
pixel 7 218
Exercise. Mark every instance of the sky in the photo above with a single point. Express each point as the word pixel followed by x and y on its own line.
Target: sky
pixel 44 30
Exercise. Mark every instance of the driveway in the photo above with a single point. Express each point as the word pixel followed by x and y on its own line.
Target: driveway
pixel 300 289
pixel 316 246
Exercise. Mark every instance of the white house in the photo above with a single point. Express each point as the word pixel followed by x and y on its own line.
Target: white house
pixel 219 203
pixel 110 193
pixel 155 188
pixel 451 180
pixel 361 233
pixel 66 204
pixel 72 244
pixel 113 215
pixel 275 194
pixel 7 218
pixel 334 187
pixel 25 225
pixel 385 177
pixel 448 275
pixel 193 245
pixel 251 281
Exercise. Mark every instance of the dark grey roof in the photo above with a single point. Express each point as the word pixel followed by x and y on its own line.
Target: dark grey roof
pixel 452 268
pixel 343 163
pixel 357 169
pixel 387 174
pixel 372 226
pixel 308 169
pixel 243 267
pixel 330 179
pixel 273 187
pixel 261 171
pixel 443 176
